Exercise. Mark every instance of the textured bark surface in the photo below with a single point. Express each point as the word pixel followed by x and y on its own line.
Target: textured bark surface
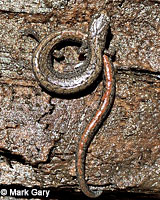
pixel 39 131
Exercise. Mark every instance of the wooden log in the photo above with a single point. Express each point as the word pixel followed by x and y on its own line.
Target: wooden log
pixel 39 131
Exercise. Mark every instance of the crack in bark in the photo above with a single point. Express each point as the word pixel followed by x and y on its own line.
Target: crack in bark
pixel 20 159
pixel 122 2
pixel 20 82
pixel 138 72
pixel 32 17
pixel 61 192
pixel 12 157
pixel 155 1
pixel 47 113
pixel 147 72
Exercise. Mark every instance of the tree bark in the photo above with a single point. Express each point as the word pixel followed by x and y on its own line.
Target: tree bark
pixel 39 131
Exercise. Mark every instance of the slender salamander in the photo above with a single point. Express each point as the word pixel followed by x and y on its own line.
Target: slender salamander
pixel 90 130
pixel 79 79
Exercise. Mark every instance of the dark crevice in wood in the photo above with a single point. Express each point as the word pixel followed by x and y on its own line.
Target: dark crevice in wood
pixel 141 72
pixel 20 159
pixel 61 193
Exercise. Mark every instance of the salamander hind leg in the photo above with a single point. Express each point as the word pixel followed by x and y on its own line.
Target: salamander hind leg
pixel 83 51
